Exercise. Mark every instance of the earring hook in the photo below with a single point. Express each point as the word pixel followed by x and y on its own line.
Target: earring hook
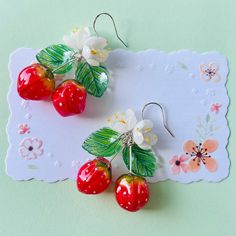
pixel 114 24
pixel 163 115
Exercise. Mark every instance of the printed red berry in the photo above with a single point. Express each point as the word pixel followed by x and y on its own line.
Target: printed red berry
pixel 94 176
pixel 132 192
pixel 69 98
pixel 35 82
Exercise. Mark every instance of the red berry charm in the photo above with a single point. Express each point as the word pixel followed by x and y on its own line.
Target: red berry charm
pixel 35 82
pixel 69 98
pixel 132 192
pixel 94 176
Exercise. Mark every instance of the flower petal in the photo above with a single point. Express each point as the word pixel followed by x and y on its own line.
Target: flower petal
pixel 203 68
pixel 205 77
pixel 144 126
pixel 194 164
pixel 96 42
pixel 31 155
pixel 23 151
pixel 38 151
pixel 217 78
pixel 138 137
pixel 210 164
pixel 183 158
pixel 131 119
pixel 69 41
pixel 184 167
pixel 150 139
pixel 214 66
pixel 119 127
pixel 92 62
pixel 189 146
pixel 173 159
pixel 210 145
pixel 26 143
pixel 175 169
pixel 36 143
pixel 80 36
pixel 86 52
pixel 144 146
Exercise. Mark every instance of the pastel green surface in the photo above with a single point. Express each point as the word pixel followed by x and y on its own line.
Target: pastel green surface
pixel 37 208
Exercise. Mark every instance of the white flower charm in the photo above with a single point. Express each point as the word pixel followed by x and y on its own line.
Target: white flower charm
pixel 91 48
pixel 124 122
pixel 77 38
pixel 31 148
pixel 142 134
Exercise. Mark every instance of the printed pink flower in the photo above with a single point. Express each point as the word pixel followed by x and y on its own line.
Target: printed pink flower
pixel 216 107
pixel 200 154
pixel 210 72
pixel 31 148
pixel 178 164
pixel 23 129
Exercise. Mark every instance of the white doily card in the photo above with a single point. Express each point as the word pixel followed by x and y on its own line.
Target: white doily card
pixel 189 85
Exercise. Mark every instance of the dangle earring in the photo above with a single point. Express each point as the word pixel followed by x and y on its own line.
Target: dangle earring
pixel 134 140
pixel 84 55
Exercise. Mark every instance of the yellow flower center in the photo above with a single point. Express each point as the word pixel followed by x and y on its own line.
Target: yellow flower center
pixel 147 139
pixel 94 52
pixel 75 29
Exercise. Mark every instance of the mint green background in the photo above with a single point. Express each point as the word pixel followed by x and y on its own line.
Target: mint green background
pixel 37 208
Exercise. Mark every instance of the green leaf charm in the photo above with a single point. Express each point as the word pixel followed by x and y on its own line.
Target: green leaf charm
pixel 58 58
pixel 93 78
pixel 144 161
pixel 104 142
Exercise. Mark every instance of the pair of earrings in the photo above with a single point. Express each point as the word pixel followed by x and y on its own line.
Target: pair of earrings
pixel 79 63
pixel 124 134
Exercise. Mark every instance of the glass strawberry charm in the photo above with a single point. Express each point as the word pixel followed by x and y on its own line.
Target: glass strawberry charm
pixel 35 82
pixel 134 140
pixel 132 192
pixel 94 176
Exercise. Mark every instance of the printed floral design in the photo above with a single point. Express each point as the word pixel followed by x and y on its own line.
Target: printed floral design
pixel 206 127
pixel 23 129
pixel 91 48
pixel 216 108
pixel 200 154
pixel 124 122
pixel 178 164
pixel 210 72
pixel 31 148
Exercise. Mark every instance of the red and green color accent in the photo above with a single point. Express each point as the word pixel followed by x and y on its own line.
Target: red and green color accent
pixel 132 192
pixel 69 98
pixel 35 82
pixel 94 176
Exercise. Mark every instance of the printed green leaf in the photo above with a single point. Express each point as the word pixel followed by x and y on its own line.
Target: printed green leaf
pixel 33 167
pixel 144 161
pixel 93 78
pixel 104 142
pixel 183 66
pixel 207 118
pixel 57 58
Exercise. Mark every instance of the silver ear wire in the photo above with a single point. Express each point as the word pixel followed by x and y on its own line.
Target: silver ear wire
pixel 107 14
pixel 163 115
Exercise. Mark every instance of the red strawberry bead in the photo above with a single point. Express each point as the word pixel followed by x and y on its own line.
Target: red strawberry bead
pixel 35 82
pixel 69 98
pixel 132 192
pixel 94 176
